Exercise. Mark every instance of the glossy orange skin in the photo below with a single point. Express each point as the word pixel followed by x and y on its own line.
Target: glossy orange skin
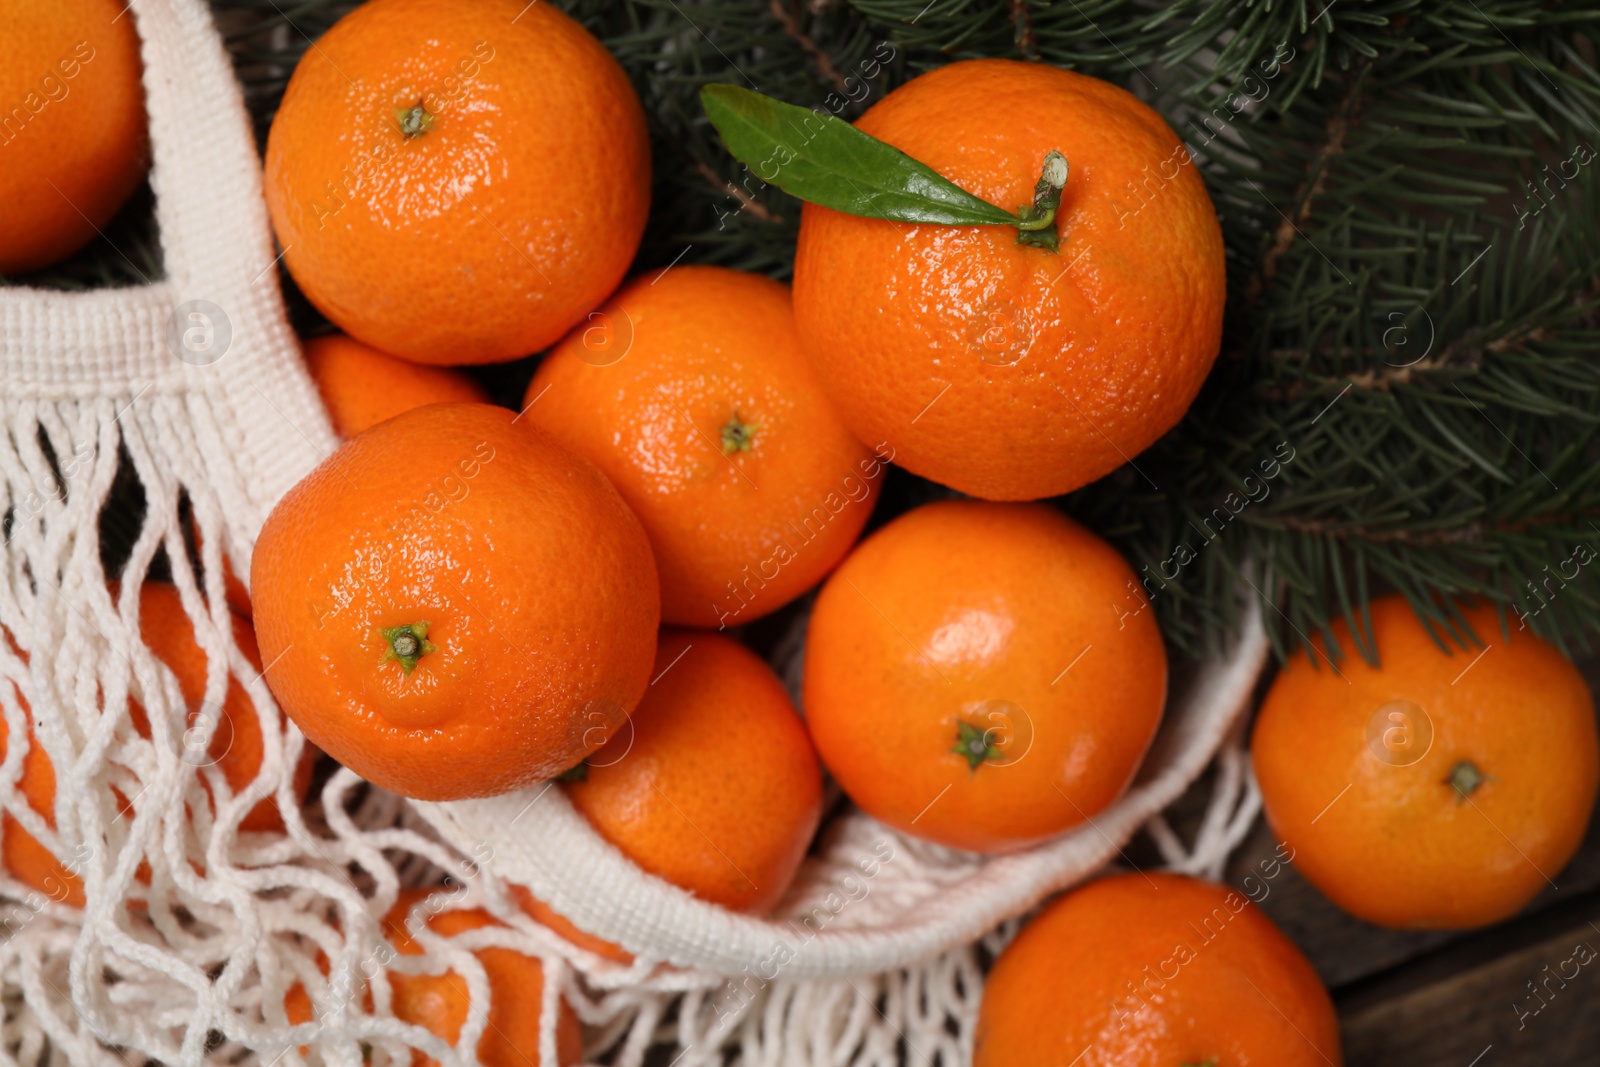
pixel 1009 372
pixel 236 742
pixel 1154 970
pixel 362 387
pixel 966 611
pixel 492 233
pixel 1393 843
pixel 644 390
pixel 74 120
pixel 535 578
pixel 545 916
pixel 716 787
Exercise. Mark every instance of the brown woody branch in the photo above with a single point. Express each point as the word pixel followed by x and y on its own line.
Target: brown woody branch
pixel 746 201
pixel 789 18
pixel 1312 186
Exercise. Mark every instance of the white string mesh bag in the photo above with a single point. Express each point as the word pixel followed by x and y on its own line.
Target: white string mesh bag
pixel 193 933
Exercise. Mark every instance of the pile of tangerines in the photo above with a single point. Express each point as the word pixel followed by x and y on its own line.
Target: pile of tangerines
pixel 464 599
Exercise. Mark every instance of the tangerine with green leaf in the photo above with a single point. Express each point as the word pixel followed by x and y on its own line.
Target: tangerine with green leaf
pixel 1441 789
pixel 997 367
pixel 983 675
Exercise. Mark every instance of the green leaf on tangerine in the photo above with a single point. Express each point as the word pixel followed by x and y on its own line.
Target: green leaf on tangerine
pixel 825 160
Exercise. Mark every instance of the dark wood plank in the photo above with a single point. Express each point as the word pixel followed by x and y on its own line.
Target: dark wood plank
pixel 1537 1005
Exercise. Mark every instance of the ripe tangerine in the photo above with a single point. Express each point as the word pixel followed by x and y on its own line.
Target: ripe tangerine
pixel 458 182
pixel 453 605
pixel 983 675
pixel 1442 789
pixel 1154 970
pixel 713 784
pixel 690 391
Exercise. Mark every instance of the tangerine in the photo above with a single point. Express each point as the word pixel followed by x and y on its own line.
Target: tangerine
pixel 713 785
pixel 236 747
pixel 690 391
pixel 544 915
pixel 458 182
pixel 24 855
pixel 983 675
pixel 73 143
pixel 441 1002
pixel 1006 371
pixel 361 386
pixel 453 605
pixel 1154 970
pixel 1442 789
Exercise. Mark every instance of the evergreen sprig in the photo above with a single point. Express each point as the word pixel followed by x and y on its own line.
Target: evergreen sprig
pixel 1407 193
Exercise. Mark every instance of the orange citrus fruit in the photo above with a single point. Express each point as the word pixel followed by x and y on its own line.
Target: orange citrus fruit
pixel 544 915
pixel 1154 970
pixel 458 182
pixel 1005 371
pixel 1440 789
pixel 690 391
pixel 983 675
pixel 441 1002
pixel 453 605
pixel 713 784
pixel 24 855
pixel 233 590
pixel 72 140
pixel 361 386
pixel 236 745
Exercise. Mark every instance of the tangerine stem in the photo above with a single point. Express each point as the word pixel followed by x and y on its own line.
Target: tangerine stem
pixel 974 745
pixel 738 435
pixel 414 121
pixel 407 644
pixel 1465 778
pixel 1036 225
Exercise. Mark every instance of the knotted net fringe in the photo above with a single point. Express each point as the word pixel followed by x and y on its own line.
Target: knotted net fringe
pixel 194 932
